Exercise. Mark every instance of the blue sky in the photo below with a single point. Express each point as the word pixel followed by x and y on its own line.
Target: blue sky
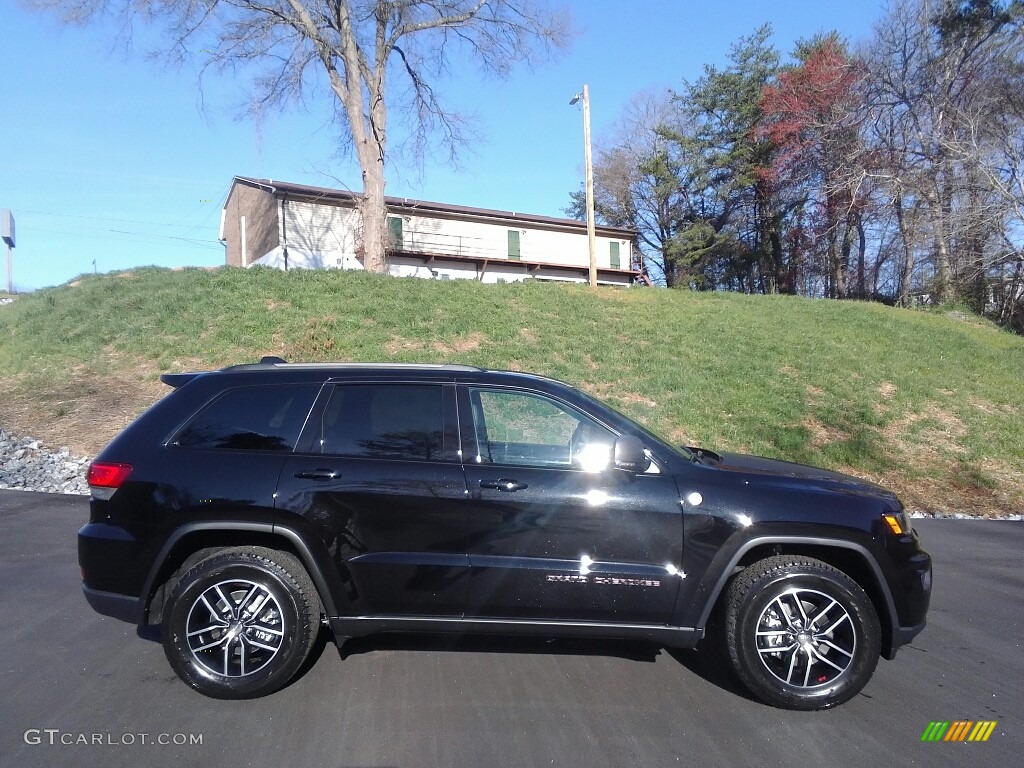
pixel 106 157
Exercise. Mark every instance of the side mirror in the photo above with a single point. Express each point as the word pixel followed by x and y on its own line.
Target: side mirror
pixel 629 454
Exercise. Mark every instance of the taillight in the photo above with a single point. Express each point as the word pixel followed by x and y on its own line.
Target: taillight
pixel 105 477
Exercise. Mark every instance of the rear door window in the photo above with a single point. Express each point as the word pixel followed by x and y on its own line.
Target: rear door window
pixel 404 422
pixel 258 418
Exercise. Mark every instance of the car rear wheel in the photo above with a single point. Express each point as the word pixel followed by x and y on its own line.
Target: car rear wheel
pixel 240 623
pixel 801 634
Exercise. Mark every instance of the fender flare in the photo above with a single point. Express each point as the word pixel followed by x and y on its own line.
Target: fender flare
pixel 306 557
pixel 862 551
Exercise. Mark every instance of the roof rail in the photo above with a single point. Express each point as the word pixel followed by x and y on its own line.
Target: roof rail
pixel 278 362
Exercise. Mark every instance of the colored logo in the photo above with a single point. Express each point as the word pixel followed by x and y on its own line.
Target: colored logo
pixel 959 730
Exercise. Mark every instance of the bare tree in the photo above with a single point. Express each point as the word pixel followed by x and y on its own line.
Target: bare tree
pixel 351 49
pixel 945 75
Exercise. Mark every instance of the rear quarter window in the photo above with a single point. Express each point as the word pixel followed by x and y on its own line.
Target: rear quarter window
pixel 257 418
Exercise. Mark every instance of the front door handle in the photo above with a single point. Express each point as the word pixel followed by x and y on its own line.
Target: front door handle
pixel 503 484
pixel 318 474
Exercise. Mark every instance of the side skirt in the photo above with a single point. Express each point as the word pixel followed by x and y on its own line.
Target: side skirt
pixel 347 627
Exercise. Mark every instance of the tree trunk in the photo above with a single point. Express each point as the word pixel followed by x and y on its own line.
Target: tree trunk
pixel 832 256
pixel 941 291
pixel 862 247
pixel 908 253
pixel 843 265
pixel 374 215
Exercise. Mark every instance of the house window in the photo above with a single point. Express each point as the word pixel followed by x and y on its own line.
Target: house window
pixel 395 233
pixel 613 255
pixel 513 245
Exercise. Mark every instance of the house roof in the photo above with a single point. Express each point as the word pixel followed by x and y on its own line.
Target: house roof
pixel 405 204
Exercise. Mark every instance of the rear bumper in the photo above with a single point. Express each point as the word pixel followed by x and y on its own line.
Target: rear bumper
pixel 123 607
pixel 110 559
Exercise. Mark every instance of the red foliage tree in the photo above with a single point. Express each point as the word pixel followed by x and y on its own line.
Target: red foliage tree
pixel 811 117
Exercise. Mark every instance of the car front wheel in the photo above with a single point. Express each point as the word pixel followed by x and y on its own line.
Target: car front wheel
pixel 240 623
pixel 801 634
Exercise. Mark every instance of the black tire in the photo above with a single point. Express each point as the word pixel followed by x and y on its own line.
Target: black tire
pixel 822 623
pixel 239 624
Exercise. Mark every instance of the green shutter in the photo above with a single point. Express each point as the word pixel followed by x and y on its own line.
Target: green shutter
pixel 613 256
pixel 395 232
pixel 513 245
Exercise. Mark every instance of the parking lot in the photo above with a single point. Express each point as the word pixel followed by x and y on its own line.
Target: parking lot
pixel 83 690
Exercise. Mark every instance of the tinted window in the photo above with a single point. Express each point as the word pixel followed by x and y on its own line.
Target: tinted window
pixel 267 418
pixel 389 421
pixel 531 430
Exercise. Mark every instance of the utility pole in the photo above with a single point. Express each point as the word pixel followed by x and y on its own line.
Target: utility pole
pixel 589 162
pixel 7 234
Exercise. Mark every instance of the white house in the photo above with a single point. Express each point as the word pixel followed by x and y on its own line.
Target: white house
pixel 286 225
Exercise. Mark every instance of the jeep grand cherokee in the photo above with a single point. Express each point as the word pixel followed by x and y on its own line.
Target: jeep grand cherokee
pixel 257 504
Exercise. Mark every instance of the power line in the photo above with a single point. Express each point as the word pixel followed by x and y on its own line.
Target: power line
pixel 104 218
pixel 137 237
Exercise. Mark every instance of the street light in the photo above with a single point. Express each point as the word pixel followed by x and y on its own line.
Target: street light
pixel 589 161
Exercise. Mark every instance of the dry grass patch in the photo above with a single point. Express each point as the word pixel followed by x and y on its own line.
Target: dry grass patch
pixel 83 414
pixel 940 434
pixel 887 390
pixel 473 341
pixel 931 471
pixel 820 434
pixel 993 409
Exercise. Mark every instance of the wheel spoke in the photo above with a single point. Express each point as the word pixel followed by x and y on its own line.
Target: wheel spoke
pixel 800 607
pixel 195 632
pixel 792 664
pixel 243 651
pixel 832 645
pixel 215 615
pixel 786 612
pixel 258 644
pixel 228 603
pixel 245 600
pixel 268 630
pixel 821 614
pixel 778 649
pixel 771 632
pixel 208 646
pixel 810 663
pixel 819 657
pixel 838 621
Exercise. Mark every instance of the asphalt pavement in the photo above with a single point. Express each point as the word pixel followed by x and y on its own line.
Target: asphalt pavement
pixel 78 689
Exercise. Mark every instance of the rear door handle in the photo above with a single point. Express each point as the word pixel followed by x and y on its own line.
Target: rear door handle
pixel 318 474
pixel 503 484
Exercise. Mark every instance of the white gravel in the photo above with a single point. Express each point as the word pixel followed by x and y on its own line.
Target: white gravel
pixel 28 465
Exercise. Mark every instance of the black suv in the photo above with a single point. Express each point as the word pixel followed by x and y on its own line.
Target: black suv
pixel 254 504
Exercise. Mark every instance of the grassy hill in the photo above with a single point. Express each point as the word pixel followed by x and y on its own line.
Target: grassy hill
pixel 928 403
